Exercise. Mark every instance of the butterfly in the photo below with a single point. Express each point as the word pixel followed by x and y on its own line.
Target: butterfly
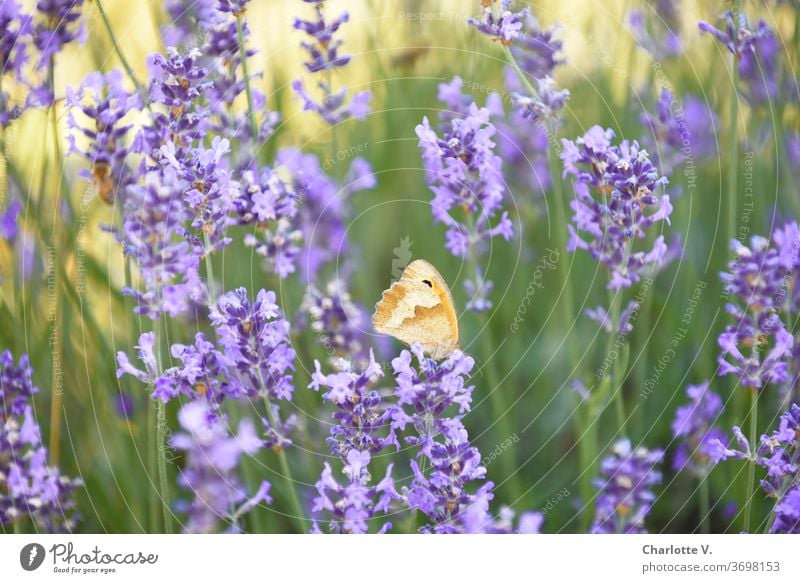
pixel 419 308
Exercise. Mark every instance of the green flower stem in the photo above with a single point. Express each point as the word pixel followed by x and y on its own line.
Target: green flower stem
pixel 251 113
pixel 733 141
pixel 297 507
pixel 584 428
pixel 118 50
pixel 160 438
pixel 705 505
pixel 751 469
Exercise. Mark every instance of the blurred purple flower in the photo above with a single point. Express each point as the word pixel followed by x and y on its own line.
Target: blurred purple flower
pixel 57 25
pixel 9 227
pixel 680 132
pixel 787 513
pixel 537 49
pixel 104 102
pixel 657 28
pixel 757 281
pixel 210 473
pixel 626 480
pixel 15 31
pixel 323 55
pixel 504 27
pixel 737 42
pixel 695 427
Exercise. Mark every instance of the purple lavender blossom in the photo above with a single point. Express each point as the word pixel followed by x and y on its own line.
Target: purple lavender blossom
pixel 209 192
pixel 254 335
pixel 339 324
pixel 153 233
pixel 323 55
pixel 657 29
pixel 787 513
pixel 29 488
pixel 9 219
pixel 359 430
pixel 58 25
pixel 626 480
pixel 464 172
pixel 680 132
pixel 695 426
pixel 353 505
pixel 360 417
pixel 15 30
pixel 267 200
pixel 736 41
pixel 177 83
pixel 210 473
pixel 102 99
pixel 431 401
pixel 626 185
pixel 537 49
pixel 757 280
pixel 776 453
pixel 504 27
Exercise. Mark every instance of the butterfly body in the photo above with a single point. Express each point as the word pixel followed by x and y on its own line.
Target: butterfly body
pixel 419 308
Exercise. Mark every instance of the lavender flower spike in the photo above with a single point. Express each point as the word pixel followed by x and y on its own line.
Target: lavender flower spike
pixel 626 480
pixel 626 186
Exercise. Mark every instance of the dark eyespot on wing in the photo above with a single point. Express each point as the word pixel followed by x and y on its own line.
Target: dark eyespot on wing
pixel 427 282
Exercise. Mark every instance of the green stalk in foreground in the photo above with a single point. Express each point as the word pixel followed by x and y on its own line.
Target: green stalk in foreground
pixel 751 465
pixel 584 427
pixel 125 64
pixel 733 144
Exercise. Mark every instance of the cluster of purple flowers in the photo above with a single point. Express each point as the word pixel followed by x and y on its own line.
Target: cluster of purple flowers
pixel 54 24
pixel 778 455
pixel 30 489
pixel 464 173
pixel 757 347
pixel 358 432
pixel 432 399
pixel 252 357
pixel 210 472
pixel 695 426
pixel 323 47
pixel 626 480
pixel 626 186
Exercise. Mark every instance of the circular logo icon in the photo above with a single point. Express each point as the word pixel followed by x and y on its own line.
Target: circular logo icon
pixel 31 556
